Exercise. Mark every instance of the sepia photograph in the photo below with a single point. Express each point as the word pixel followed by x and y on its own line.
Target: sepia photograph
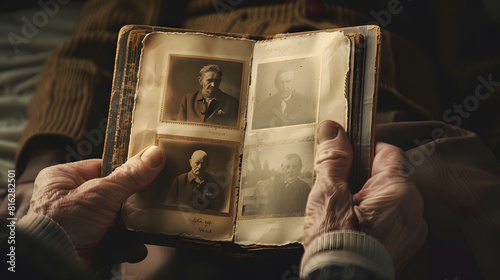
pixel 278 179
pixel 286 93
pixel 198 177
pixel 203 90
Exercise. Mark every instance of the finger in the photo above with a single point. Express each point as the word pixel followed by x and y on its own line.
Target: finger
pixel 329 206
pixel 388 158
pixel 81 172
pixel 386 173
pixel 333 145
pixel 59 180
pixel 133 176
pixel 333 157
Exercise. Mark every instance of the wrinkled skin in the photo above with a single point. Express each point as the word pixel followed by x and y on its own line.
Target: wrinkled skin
pixel 85 205
pixel 388 207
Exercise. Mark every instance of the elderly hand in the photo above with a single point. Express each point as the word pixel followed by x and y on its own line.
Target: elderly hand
pixel 388 207
pixel 38 159
pixel 85 205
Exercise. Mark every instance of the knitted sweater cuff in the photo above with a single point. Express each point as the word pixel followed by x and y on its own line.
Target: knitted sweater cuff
pixel 347 247
pixel 48 232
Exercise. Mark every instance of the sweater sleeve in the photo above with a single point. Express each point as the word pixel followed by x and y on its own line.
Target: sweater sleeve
pixel 346 255
pixel 342 272
pixel 75 84
pixel 41 249
pixel 47 231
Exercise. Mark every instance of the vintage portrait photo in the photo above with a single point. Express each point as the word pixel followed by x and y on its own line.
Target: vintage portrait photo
pixel 199 176
pixel 203 90
pixel 286 93
pixel 278 179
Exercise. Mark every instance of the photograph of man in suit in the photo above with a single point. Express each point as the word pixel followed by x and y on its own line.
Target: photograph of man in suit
pixel 286 107
pixel 209 104
pixel 289 193
pixel 197 188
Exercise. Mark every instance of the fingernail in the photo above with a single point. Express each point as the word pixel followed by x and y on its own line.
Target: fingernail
pixel 152 156
pixel 327 130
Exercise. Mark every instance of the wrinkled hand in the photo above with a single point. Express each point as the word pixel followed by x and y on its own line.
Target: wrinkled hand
pixel 388 207
pixel 85 205
pixel 38 159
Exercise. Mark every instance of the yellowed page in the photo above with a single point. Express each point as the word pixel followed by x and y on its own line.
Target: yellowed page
pixel 308 74
pixel 168 80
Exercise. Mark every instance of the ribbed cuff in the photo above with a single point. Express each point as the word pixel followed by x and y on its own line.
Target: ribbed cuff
pixel 48 232
pixel 347 247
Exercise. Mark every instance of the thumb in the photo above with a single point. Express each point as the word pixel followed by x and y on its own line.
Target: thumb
pixel 329 206
pixel 333 151
pixel 134 175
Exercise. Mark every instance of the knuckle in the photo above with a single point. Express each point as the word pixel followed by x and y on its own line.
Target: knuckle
pixel 129 173
pixel 46 177
pixel 390 155
pixel 107 197
pixel 333 155
pixel 333 162
pixel 327 188
pixel 389 150
pixel 43 175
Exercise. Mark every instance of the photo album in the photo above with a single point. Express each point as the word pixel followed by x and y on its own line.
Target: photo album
pixel 236 116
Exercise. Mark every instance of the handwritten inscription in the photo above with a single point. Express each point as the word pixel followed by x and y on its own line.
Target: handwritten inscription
pixel 200 229
pixel 197 221
pixel 203 225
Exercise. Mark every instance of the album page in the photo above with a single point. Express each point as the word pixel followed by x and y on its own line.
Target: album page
pixel 296 83
pixel 190 100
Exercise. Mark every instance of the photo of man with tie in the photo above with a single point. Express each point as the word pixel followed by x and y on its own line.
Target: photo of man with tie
pixel 286 106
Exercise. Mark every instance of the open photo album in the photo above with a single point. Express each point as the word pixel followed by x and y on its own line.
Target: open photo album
pixel 236 116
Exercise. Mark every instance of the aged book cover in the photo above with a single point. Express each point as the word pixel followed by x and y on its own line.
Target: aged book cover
pixel 236 116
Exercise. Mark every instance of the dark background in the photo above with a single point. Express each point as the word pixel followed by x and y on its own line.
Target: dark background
pixel 461 38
